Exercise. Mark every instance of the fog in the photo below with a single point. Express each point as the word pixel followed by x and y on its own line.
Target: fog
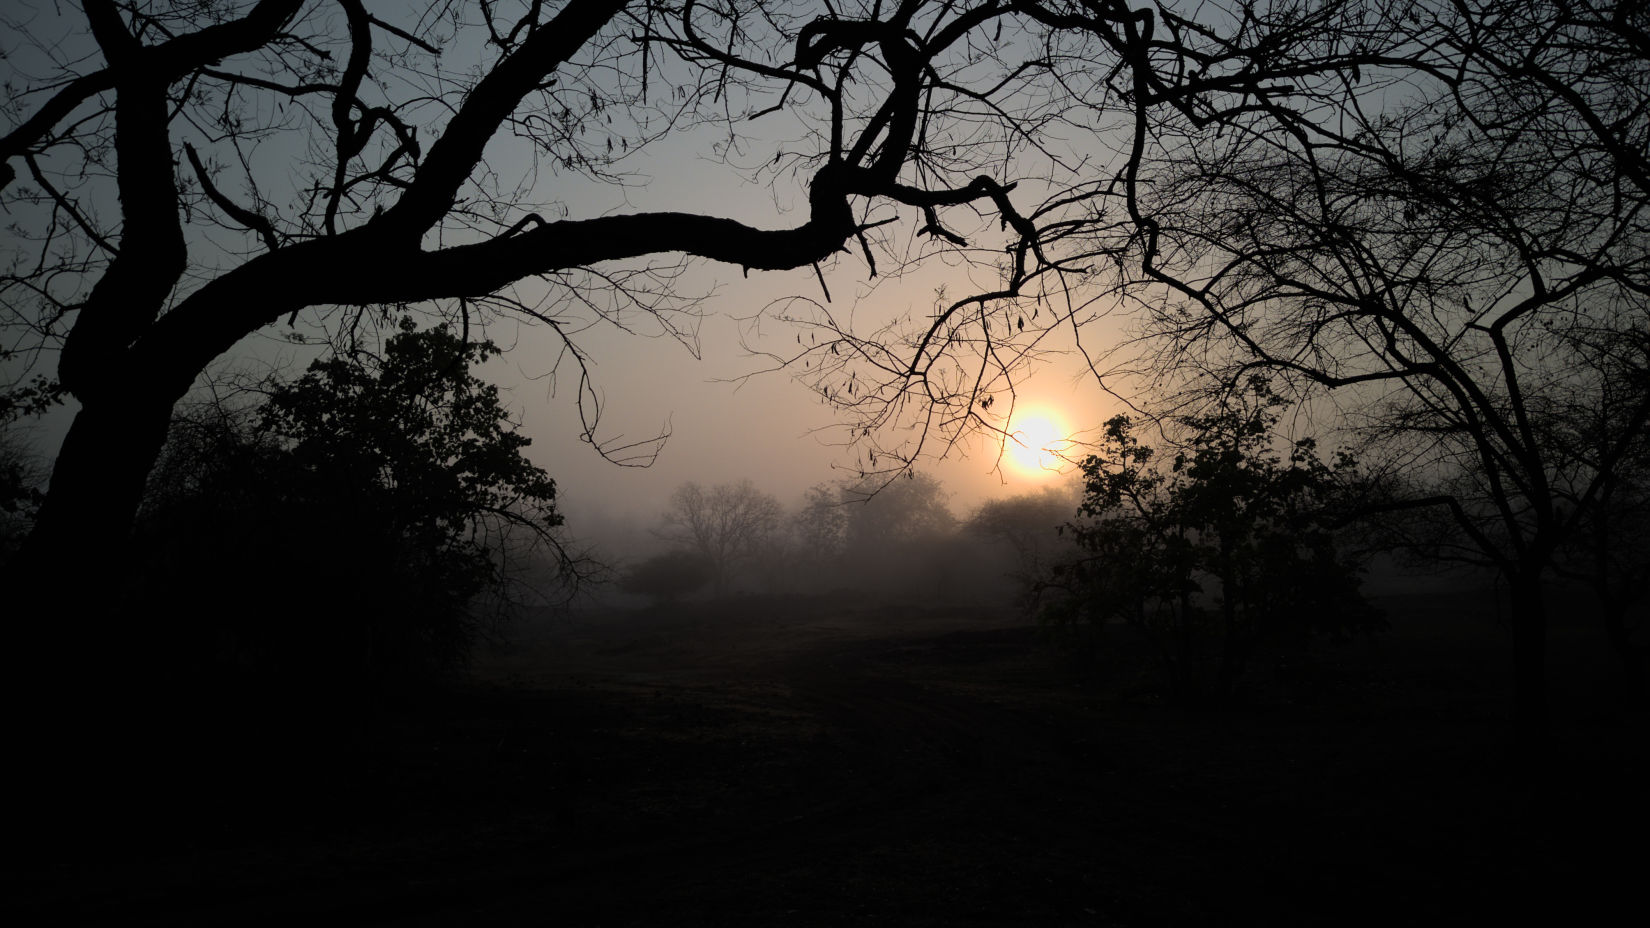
pixel 984 463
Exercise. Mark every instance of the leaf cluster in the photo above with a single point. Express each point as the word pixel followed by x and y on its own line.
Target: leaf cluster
pixel 418 431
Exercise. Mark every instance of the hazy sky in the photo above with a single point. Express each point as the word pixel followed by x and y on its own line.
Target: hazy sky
pixel 769 428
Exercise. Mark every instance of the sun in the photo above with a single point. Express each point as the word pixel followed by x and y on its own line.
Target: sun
pixel 1034 443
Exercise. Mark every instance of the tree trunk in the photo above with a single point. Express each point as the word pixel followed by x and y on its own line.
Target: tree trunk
pixel 75 638
pixel 103 701
pixel 71 566
pixel 1231 593
pixel 1620 633
pixel 1529 629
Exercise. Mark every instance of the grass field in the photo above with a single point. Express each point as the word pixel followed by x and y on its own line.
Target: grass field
pixel 849 760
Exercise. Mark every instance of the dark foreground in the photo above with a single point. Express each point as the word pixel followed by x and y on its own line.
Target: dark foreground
pixel 832 762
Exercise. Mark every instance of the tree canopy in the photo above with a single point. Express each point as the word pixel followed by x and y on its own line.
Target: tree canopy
pixel 418 425
pixel 389 492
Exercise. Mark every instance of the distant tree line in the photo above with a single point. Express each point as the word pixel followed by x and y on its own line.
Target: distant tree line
pixel 891 537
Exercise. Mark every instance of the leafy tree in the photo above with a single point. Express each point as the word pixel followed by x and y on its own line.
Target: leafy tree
pixel 727 525
pixel 873 533
pixel 387 488
pixel 1225 547
pixel 417 428
pixel 899 534
pixel 821 525
pixel 1028 525
pixel 898 513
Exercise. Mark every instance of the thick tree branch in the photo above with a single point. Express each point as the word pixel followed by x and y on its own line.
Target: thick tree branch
pixel 519 73
pixel 152 254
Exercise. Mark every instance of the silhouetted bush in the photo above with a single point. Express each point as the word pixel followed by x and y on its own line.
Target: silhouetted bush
pixel 1224 548
pixel 669 576
pixel 23 473
pixel 1026 528
pixel 335 536
pixel 20 496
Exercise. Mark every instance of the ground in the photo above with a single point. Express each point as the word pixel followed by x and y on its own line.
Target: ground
pixel 842 760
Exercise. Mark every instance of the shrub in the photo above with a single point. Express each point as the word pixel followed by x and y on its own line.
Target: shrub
pixel 669 576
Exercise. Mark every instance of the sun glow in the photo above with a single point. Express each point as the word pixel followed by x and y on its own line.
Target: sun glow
pixel 1034 444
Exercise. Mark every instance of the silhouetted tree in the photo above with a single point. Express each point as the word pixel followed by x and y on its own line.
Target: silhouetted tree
pixel 727 525
pixel 871 533
pixel 386 488
pixel 898 534
pixel 1441 263
pixel 1028 525
pixel 821 525
pixel 1224 547
pixel 902 512
pixel 1608 548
